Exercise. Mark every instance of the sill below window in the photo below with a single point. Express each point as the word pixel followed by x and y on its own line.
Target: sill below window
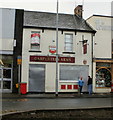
pixel 68 52
pixel 68 81
pixel 103 87
pixel 35 51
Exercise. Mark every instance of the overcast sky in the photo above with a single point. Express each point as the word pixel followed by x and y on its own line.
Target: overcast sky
pixel 99 7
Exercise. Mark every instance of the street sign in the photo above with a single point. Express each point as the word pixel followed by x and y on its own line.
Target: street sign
pixel 19 60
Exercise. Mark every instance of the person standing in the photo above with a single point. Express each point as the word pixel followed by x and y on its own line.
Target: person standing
pixel 89 85
pixel 80 83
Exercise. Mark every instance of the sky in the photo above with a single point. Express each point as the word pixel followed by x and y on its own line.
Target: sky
pixel 90 7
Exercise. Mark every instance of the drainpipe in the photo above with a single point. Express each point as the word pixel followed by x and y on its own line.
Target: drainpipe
pixel 92 53
pixel 17 50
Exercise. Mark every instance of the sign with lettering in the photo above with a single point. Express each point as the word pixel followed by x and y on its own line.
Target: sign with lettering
pixel 52 59
pixel 19 60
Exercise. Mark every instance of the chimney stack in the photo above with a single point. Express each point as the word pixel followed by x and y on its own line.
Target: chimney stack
pixel 78 10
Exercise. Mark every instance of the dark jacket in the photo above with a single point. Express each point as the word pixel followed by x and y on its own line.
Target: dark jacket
pixel 89 81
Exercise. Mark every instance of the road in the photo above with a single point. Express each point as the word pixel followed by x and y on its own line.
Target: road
pixel 28 104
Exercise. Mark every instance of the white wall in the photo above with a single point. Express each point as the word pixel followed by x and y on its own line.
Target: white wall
pixel 6 44
pixel 7 24
pixel 47 38
pixel 102 44
pixel 102 47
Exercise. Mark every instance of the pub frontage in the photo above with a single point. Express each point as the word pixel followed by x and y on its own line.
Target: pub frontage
pixel 75 39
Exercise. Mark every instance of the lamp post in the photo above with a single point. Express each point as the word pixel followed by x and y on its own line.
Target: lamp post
pixel 56 91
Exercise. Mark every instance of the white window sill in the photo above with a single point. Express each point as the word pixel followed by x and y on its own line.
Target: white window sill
pixel 68 81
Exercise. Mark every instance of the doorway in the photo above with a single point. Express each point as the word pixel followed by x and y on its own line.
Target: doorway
pixel 36 78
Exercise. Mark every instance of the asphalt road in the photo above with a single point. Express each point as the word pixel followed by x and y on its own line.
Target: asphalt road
pixel 26 104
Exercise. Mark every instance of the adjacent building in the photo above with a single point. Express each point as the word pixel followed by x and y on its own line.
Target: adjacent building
pixel 103 52
pixel 11 30
pixel 6 47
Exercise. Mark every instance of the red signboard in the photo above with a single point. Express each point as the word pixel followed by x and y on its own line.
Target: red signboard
pixel 85 48
pixel 52 59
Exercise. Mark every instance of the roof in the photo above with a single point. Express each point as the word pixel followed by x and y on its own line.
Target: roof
pixel 48 20
pixel 99 16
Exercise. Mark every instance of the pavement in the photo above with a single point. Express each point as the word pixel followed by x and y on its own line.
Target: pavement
pixel 13 103
pixel 60 95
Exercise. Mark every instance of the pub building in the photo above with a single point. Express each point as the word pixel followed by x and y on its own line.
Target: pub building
pixel 75 39
pixel 31 51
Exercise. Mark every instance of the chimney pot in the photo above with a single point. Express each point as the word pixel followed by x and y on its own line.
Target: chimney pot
pixel 78 10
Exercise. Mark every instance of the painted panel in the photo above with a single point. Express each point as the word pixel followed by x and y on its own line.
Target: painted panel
pixel 63 86
pixel 69 86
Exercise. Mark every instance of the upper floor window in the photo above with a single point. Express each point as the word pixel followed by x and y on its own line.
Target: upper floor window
pixel 68 42
pixel 35 40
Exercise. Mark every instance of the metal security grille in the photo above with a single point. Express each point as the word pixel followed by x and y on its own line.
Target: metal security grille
pixel 36 78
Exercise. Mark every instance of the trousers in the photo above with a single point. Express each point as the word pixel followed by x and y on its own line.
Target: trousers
pixel 80 88
pixel 90 88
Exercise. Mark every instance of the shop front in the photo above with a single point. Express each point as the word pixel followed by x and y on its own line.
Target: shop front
pixel 6 73
pixel 42 74
pixel 103 76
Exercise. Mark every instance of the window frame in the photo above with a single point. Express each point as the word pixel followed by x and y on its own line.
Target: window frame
pixel 67 42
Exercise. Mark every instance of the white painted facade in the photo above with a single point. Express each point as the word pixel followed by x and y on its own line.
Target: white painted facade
pixel 102 46
pixel 47 39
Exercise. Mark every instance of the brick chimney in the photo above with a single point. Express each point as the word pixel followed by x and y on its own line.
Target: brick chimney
pixel 78 10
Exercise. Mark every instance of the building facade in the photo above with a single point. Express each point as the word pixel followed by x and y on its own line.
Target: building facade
pixel 75 38
pixel 82 51
pixel 11 29
pixel 6 48
pixel 103 53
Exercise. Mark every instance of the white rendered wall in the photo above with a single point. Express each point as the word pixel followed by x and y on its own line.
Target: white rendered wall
pixel 47 38
pixel 102 47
